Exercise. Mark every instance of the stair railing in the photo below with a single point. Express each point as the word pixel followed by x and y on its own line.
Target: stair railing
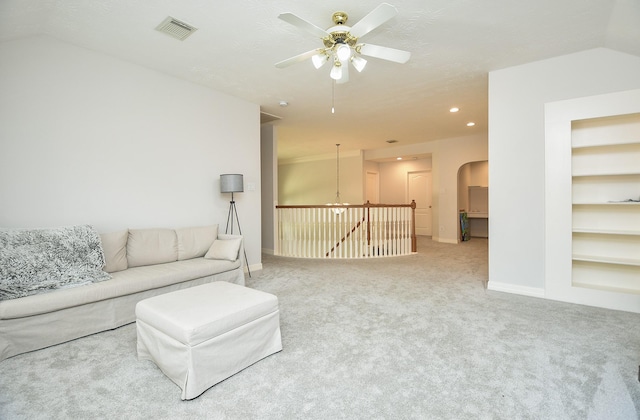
pixel 345 231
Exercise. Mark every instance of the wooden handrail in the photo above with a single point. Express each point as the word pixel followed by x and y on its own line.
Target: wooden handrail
pixel 344 206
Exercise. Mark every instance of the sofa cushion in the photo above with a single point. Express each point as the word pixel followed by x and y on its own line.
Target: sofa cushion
pixel 224 249
pixel 114 245
pixel 194 242
pixel 151 246
pixel 126 282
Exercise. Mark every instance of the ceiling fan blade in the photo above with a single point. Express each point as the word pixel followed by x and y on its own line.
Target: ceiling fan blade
pixel 385 53
pixel 303 24
pixel 345 73
pixel 297 59
pixel 375 18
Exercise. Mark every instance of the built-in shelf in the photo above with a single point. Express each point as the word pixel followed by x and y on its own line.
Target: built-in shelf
pixel 592 158
pixel 609 203
pixel 613 143
pixel 605 168
pixel 604 174
pixel 607 260
pixel 607 288
pixel 607 231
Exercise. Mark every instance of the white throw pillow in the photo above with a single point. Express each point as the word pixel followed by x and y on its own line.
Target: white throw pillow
pixel 224 249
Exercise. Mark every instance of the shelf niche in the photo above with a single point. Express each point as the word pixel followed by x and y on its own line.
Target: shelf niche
pixel 592 218
pixel 605 173
pixel 473 197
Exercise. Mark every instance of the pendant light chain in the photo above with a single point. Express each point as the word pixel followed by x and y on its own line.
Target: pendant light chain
pixel 337 173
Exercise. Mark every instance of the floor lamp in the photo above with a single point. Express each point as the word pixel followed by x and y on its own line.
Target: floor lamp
pixel 233 183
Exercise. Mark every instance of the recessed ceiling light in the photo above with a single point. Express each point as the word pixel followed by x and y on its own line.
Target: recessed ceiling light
pixel 454 109
pixel 471 124
pixel 284 103
pixel 398 158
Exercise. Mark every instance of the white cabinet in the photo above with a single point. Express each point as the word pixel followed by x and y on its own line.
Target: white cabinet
pixel 605 196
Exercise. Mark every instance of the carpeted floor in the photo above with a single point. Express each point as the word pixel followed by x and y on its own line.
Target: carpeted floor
pixel 414 337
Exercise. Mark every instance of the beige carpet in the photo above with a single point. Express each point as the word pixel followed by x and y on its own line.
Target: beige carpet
pixel 414 337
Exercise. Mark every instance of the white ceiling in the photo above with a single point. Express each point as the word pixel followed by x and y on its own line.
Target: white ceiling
pixel 454 44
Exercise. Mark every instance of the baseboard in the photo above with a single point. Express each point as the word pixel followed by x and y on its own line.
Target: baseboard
pixel 268 251
pixel 515 289
pixel 444 240
pixel 255 268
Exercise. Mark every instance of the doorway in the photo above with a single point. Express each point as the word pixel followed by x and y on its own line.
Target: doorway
pixel 372 193
pixel 473 188
pixel 419 189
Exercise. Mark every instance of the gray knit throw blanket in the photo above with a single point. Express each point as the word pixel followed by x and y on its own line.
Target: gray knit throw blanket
pixel 42 260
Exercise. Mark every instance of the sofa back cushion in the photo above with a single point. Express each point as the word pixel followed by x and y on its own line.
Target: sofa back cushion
pixel 193 242
pixel 151 246
pixel 114 246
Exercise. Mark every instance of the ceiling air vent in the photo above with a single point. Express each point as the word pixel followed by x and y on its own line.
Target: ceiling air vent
pixel 175 28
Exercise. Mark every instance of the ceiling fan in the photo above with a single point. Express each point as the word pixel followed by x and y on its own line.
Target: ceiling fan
pixel 341 42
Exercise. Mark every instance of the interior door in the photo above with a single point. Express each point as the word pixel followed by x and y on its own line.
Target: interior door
pixel 419 189
pixel 373 188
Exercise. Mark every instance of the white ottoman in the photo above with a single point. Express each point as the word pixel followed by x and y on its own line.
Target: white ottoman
pixel 202 335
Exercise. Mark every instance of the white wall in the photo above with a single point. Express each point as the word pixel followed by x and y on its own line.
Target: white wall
pixel 313 181
pixel 447 156
pixel 269 187
pixel 310 181
pixel 85 138
pixel 464 180
pixel 393 179
pixel 369 167
pixel 517 97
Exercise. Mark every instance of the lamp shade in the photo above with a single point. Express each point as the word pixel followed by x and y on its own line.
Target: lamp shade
pixel 230 183
pixel 319 60
pixel 336 71
pixel 358 62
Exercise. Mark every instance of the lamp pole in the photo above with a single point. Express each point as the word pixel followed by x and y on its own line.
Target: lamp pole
pixel 232 183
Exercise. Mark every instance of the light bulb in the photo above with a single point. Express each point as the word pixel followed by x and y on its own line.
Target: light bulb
pixel 343 52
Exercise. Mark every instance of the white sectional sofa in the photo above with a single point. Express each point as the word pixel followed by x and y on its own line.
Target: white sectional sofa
pixel 142 263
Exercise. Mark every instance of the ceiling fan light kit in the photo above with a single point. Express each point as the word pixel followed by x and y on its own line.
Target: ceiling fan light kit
pixel 358 63
pixel 341 42
pixel 319 60
pixel 336 71
pixel 343 51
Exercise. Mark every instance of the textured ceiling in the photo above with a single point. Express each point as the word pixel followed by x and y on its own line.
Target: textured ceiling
pixel 454 44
